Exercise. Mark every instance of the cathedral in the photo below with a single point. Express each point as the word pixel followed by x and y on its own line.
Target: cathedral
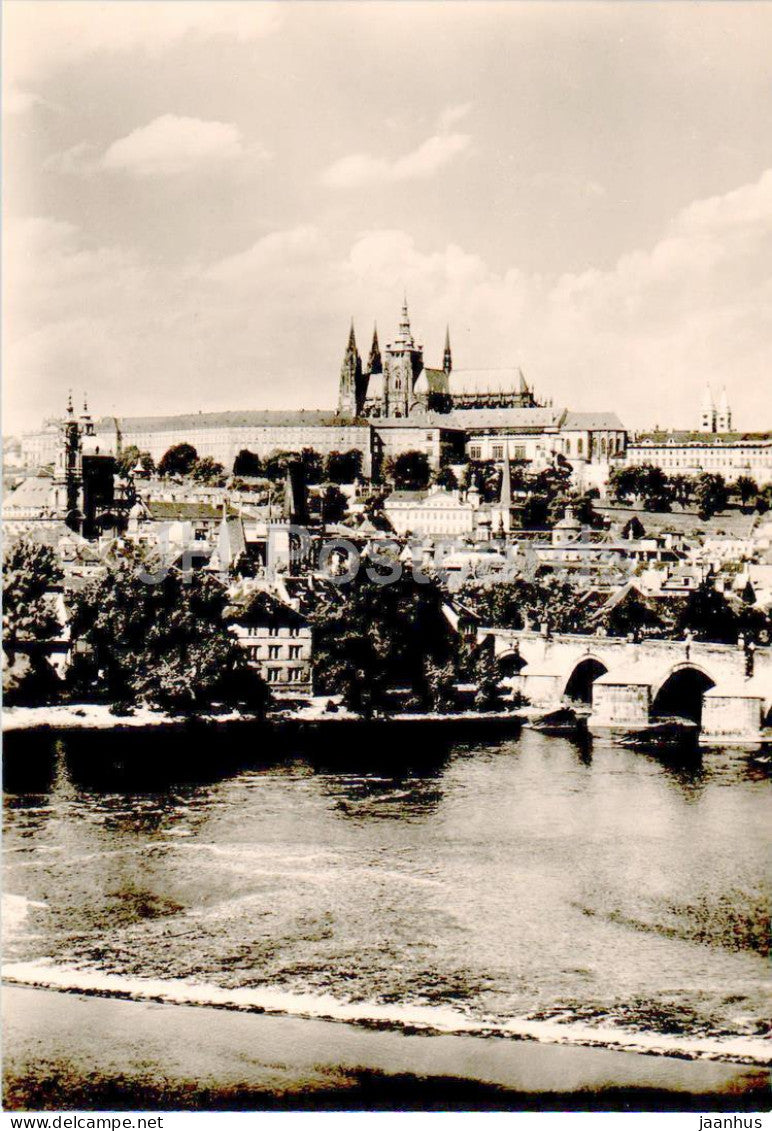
pixel 398 384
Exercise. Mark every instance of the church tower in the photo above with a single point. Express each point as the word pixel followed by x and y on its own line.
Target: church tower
pixel 350 388
pixel 68 473
pixel 447 359
pixel 404 362
pixel 374 363
pixel 724 414
pixel 707 412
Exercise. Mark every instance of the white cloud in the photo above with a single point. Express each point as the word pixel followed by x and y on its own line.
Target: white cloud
pixel 451 115
pixel 167 146
pixel 362 169
pixel 276 252
pixel 171 144
pixel 39 37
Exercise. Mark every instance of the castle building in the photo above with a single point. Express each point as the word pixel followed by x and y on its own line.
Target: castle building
pixel 714 447
pixel 399 385
pixel 392 404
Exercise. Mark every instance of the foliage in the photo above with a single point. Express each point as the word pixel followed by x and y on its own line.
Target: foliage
pixel 746 488
pixel 127 461
pixel 370 638
pixel 208 470
pixel 165 643
pixel 180 459
pixel 328 503
pixel 633 615
pixel 275 465
pixel 343 467
pixel 410 471
pixel 440 686
pixel 529 604
pixel 248 464
pixel 710 494
pixel 488 694
pixel 535 513
pixel 485 475
pixel 446 478
pixel 30 571
pixel 709 616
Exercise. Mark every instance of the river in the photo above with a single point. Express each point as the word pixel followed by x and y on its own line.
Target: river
pixel 533 886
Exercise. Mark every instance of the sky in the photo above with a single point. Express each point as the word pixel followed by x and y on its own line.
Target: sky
pixel 198 197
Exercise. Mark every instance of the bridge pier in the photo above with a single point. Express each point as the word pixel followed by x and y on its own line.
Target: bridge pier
pixel 733 713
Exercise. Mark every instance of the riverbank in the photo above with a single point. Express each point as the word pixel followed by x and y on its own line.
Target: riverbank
pixel 65 1050
pixel 98 716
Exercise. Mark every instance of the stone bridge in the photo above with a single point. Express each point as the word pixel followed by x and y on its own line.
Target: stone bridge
pixel 630 685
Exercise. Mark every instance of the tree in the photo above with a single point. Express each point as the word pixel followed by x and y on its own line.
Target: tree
pixel 371 638
pixel 440 686
pixel 529 604
pixel 410 471
pixel 485 476
pixel 333 503
pixel 128 459
pixel 248 464
pixel 343 467
pixel 208 470
pixel 746 488
pixel 30 573
pixel 446 478
pixel 275 464
pixel 313 466
pixel 709 616
pixel 178 460
pixel 711 494
pixel 166 644
pixel 535 513
pixel 488 694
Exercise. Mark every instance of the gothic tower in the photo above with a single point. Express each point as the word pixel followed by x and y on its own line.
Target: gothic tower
pixel 404 362
pixel 447 360
pixel 350 389
pixel 374 363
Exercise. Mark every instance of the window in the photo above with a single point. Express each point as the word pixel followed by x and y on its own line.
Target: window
pixel 294 631
pixel 273 630
pixel 475 451
pixel 273 675
pixel 294 651
pixel 498 451
pixel 273 651
pixel 253 652
pixel 580 446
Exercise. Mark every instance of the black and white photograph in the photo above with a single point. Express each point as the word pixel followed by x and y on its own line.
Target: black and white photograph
pixel 387 559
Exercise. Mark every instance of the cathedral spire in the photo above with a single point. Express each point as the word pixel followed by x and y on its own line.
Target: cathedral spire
pixel 350 377
pixel 447 358
pixel 374 363
pixel 405 336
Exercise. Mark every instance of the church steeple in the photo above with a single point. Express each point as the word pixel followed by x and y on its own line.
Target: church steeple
pixel 350 377
pixel 447 359
pixel 374 363
pixel 405 335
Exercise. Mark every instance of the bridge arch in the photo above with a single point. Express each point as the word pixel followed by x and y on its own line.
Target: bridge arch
pixel 679 692
pixel 578 686
pixel 509 662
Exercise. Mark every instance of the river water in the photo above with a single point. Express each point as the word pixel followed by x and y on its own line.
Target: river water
pixel 530 886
